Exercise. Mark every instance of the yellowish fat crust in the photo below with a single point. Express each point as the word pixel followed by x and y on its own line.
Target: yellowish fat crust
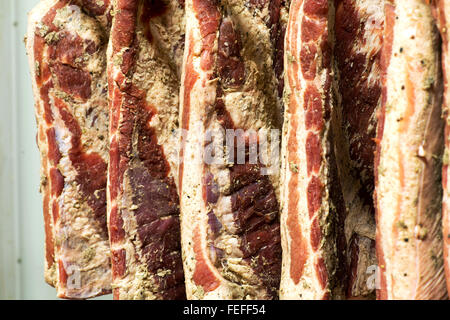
pixel 80 244
pixel 413 263
pixel 161 88
pixel 258 108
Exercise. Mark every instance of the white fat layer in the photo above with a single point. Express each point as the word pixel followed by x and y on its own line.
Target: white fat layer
pixel 413 268
pixel 372 10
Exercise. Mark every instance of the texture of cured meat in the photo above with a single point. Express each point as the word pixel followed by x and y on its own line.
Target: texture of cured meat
pixel 362 268
pixel 67 55
pixel 143 208
pixel 358 31
pixel 442 14
pixel 229 207
pixel 313 213
pixel 408 159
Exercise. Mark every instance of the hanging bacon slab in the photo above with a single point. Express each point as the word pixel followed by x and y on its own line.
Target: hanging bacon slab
pixel 409 156
pixel 66 45
pixel 313 207
pixel 232 80
pixel 144 60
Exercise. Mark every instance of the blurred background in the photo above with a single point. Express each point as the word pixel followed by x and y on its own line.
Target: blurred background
pixel 21 219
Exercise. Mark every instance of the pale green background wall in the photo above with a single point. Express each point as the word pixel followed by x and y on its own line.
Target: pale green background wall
pixel 21 221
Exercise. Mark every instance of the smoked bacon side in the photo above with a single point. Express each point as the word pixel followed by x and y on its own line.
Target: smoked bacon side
pixel 408 164
pixel 144 59
pixel 313 209
pixel 66 45
pixel 231 84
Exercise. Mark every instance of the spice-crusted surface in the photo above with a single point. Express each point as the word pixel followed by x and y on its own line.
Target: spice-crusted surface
pixel 230 228
pixel 144 60
pixel 66 47
pixel 409 156
pixel 311 198
pixel 359 35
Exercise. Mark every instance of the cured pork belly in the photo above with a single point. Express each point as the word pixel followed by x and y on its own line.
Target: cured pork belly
pixel 144 60
pixel 409 156
pixel 232 80
pixel 313 211
pixel 66 45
